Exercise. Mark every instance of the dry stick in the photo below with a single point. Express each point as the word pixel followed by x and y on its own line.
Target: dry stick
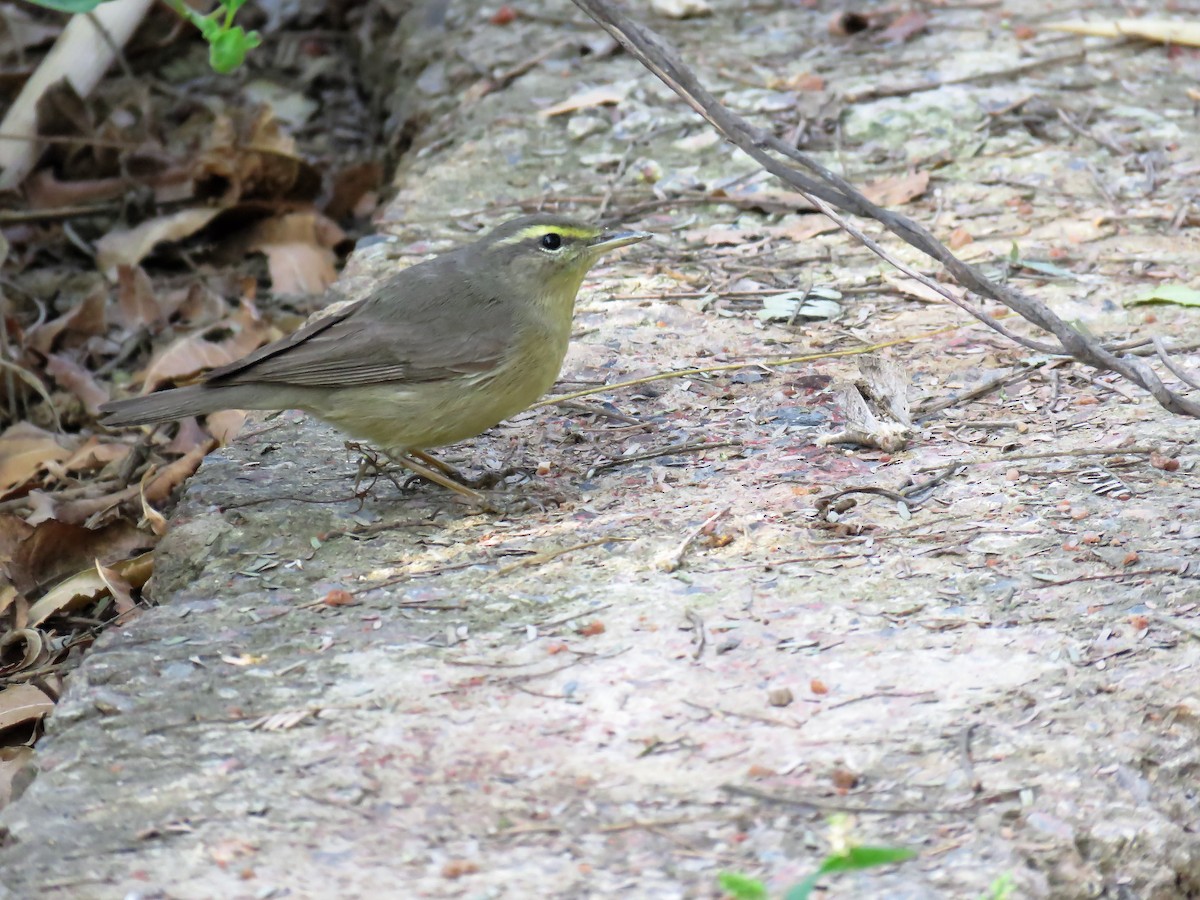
pixel 1177 370
pixel 1023 371
pixel 549 555
pixel 1074 126
pixel 673 560
pixel 665 63
pixel 698 446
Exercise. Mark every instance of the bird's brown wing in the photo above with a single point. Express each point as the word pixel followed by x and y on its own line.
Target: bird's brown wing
pixel 428 323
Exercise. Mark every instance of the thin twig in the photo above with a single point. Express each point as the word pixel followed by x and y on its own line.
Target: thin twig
pixel 673 560
pixel 546 557
pixel 696 447
pixel 825 185
pixel 1177 370
pixel 1021 372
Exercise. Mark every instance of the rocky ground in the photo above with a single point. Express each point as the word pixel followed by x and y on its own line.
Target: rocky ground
pixel 686 654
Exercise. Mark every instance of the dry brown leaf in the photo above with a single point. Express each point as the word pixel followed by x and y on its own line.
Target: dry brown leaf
pixel 959 238
pixel 98 511
pixel 238 334
pixel 189 436
pixel 120 589
pixel 24 451
pixel 897 190
pixel 351 185
pixel 151 516
pixel 94 454
pixel 21 649
pixel 298 247
pixel 87 586
pixel 169 477
pixel 136 299
pixel 87 319
pixel 803 228
pixel 196 304
pixel 185 358
pixel 71 376
pixel 22 703
pixel 55 549
pixel 766 199
pixel 225 425
pixel 129 247
pixel 14 531
pixel 42 505
pixel 1163 31
pixel 604 95
pixel 8 594
pixel 254 162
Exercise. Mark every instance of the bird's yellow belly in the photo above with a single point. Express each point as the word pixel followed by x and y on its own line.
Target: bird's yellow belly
pixel 422 416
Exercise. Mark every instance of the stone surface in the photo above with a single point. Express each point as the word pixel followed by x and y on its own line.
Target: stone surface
pixel 532 704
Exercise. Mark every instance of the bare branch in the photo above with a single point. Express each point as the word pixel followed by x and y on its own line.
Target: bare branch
pixel 827 186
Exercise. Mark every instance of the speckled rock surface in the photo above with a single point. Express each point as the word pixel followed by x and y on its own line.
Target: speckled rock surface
pixel 555 702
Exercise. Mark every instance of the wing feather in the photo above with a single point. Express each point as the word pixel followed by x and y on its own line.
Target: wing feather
pixel 427 323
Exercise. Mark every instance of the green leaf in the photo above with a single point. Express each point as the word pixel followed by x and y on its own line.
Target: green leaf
pixel 742 887
pixel 228 49
pixel 865 858
pixel 1046 268
pixel 70 6
pixel 804 888
pixel 1179 294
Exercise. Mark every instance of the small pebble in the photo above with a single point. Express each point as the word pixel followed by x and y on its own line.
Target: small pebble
pixel 780 697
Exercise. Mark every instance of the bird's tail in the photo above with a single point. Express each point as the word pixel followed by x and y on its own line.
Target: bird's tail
pixel 164 406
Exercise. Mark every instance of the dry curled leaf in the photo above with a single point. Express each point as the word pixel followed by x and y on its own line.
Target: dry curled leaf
pixel 86 319
pixel 605 95
pixel 22 703
pixel 299 250
pixel 87 586
pixel 136 298
pixel 130 246
pixel 25 451
pixel 73 377
pixel 217 345
pixel 54 549
pixel 159 487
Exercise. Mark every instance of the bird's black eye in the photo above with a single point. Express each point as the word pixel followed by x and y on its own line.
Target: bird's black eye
pixel 551 241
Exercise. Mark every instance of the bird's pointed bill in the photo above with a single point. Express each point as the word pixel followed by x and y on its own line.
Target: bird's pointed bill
pixel 611 240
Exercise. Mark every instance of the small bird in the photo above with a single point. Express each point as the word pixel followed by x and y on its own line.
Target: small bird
pixel 439 352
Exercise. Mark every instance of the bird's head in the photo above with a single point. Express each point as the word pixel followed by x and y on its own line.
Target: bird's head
pixel 545 257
